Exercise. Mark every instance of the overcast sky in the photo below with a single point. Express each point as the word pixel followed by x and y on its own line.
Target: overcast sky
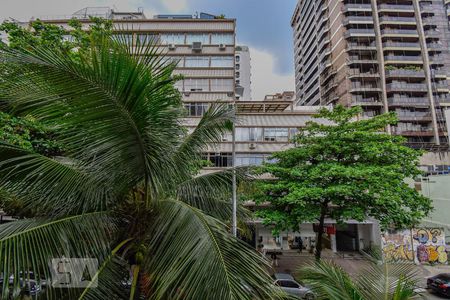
pixel 263 25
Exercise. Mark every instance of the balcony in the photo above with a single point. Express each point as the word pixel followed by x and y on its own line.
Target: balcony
pixel 410 87
pixel 400 32
pixel 402 46
pixel 361 46
pixel 403 59
pixel 358 87
pixel 359 33
pixel 414 117
pixel 439 73
pixel 405 73
pixel 360 101
pixel 356 73
pixel 435 46
pixel 395 8
pixel 357 7
pixel 361 60
pixel 433 34
pixel 408 101
pixel 358 20
pixel 398 20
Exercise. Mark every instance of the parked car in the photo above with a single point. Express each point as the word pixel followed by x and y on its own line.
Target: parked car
pixel 291 287
pixel 440 284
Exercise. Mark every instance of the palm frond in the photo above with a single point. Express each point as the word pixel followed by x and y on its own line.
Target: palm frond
pixel 192 256
pixel 52 186
pixel 112 109
pixel 217 121
pixel 330 281
pixel 30 245
pixel 211 193
pixel 388 281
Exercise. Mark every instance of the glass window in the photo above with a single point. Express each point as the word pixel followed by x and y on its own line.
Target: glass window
pixel 250 159
pixel 179 60
pixel 172 38
pixel 222 38
pixel 276 134
pixel 196 109
pixel 222 61
pixel 222 85
pixel 238 66
pixel 238 58
pixel 196 85
pixel 197 62
pixel 203 38
pixel 288 284
pixel 179 85
pixel 221 160
pixel 147 38
pixel 238 74
pixel 123 38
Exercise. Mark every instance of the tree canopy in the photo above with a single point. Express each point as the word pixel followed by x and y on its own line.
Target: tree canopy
pixel 344 168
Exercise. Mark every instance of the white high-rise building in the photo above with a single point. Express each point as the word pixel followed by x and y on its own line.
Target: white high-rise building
pixel 243 73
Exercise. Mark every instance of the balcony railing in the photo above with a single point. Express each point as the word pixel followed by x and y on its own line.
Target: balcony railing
pixel 401 45
pixel 353 31
pixel 408 101
pixel 353 7
pixel 398 19
pixel 402 58
pixel 399 31
pixel 420 87
pixel 407 73
pixel 395 7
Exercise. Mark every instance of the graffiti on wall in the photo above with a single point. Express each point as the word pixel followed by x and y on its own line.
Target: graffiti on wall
pixel 397 246
pixel 423 245
pixel 430 245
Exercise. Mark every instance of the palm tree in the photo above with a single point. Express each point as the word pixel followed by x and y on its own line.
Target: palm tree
pixel 127 190
pixel 376 281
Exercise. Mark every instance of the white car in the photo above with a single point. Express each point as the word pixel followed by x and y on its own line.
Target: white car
pixel 291 287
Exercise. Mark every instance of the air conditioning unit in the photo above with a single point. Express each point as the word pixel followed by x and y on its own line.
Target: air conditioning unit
pixel 252 146
pixel 172 47
pixel 222 47
pixel 230 94
pixel 197 46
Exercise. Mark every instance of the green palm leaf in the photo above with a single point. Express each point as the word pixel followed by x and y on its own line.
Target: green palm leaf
pixel 194 257
pixel 30 245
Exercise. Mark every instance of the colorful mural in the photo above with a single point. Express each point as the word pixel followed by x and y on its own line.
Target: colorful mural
pixel 423 245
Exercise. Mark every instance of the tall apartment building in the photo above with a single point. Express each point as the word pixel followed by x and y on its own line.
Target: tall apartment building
pixel 384 55
pixel 243 73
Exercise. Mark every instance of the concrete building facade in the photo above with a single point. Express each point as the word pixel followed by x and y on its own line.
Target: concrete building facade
pixel 243 73
pixel 382 55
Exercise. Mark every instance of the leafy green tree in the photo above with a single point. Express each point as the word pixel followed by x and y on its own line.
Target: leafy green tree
pixel 126 190
pixel 375 281
pixel 343 168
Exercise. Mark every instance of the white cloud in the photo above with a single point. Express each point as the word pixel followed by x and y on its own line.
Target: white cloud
pixel 175 6
pixel 264 79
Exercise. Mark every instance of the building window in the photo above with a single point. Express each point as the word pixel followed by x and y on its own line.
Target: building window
pixel 238 82
pixel 238 66
pixel 196 109
pixel 203 38
pixel 172 38
pixel 220 160
pixel 276 134
pixel 222 38
pixel 222 61
pixel 249 134
pixel 123 38
pixel 147 38
pixel 197 62
pixel 196 85
pixel 178 60
pixel 250 159
pixel 238 58
pixel 238 74
pixel 222 85
pixel 179 85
